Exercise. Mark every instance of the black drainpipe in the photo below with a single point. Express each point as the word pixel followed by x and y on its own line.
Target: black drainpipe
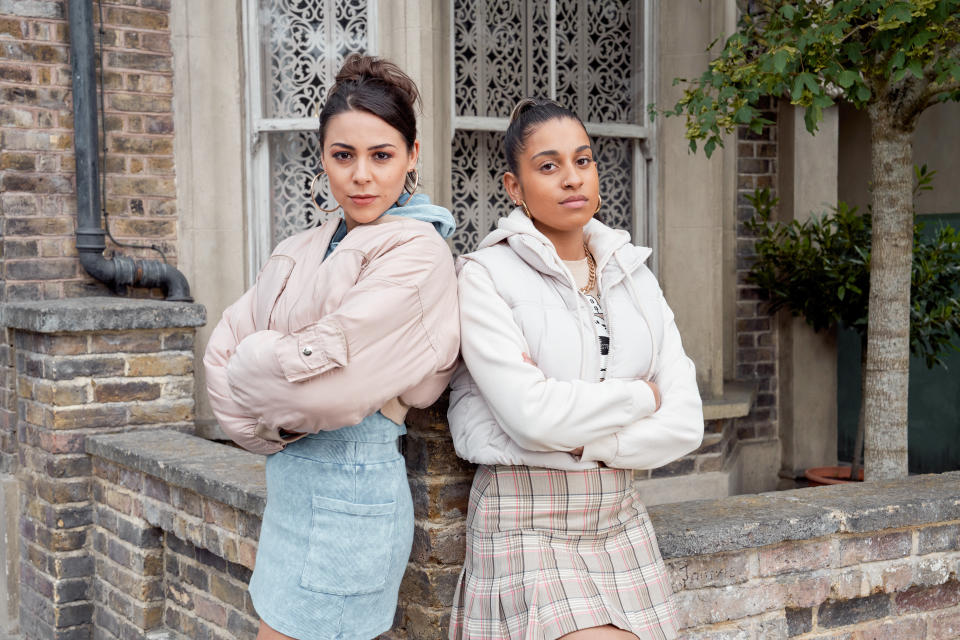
pixel 120 271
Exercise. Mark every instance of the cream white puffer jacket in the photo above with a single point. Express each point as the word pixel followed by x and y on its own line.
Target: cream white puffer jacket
pixel 516 297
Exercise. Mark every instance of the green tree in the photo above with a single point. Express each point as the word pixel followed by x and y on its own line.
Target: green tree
pixel 890 59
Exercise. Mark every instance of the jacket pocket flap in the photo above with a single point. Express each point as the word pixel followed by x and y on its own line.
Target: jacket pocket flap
pixel 352 508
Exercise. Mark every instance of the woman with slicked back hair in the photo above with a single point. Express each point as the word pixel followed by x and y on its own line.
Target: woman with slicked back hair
pixel 574 375
pixel 347 326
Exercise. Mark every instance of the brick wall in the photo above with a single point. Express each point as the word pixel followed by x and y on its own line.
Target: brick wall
pixel 872 561
pixel 83 367
pixel 168 557
pixel 718 439
pixel 175 555
pixel 36 142
pixel 878 561
pixel 756 351
pixel 440 484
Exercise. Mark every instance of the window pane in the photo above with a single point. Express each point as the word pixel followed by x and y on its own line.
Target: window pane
pixel 304 43
pixel 501 54
pixel 599 72
pixel 477 186
pixel 294 160
pixel 615 163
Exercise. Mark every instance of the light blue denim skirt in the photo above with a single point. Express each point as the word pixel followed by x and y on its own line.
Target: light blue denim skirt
pixel 336 535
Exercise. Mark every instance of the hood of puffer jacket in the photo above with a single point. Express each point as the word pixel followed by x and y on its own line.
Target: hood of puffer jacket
pixel 534 248
pixel 418 207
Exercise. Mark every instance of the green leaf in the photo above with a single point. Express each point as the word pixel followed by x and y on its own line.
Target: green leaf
pixel 915 68
pixel 743 115
pixel 788 11
pixel 897 60
pixel 780 59
pixel 823 101
pixel 899 11
pixel 709 147
pixel 847 78
pixel 797 91
pixel 863 93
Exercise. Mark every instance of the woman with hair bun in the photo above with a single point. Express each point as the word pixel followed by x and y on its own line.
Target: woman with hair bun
pixel 574 375
pixel 347 326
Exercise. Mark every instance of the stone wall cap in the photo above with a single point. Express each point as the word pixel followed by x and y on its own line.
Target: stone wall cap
pixel 740 522
pixel 736 401
pixel 101 313
pixel 214 470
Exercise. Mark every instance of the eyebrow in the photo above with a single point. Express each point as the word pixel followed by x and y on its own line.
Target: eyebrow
pixel 554 152
pixel 352 148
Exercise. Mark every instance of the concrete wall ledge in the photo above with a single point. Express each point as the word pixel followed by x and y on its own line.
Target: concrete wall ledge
pixel 880 559
pixel 737 400
pixel 741 522
pixel 100 314
pixel 223 473
pixel 235 477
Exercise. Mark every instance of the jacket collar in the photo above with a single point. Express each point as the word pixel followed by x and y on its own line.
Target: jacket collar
pixel 534 248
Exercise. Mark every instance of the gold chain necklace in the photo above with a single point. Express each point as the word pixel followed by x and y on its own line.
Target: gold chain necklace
pixel 592 265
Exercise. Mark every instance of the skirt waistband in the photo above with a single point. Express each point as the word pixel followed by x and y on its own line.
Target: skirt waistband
pixel 374 428
pixel 373 440
pixel 586 501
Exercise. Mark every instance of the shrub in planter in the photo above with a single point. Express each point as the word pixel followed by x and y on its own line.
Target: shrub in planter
pixel 819 270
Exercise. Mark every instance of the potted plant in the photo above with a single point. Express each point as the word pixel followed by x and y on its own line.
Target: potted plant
pixel 819 270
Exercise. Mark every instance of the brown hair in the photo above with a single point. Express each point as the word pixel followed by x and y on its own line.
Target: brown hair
pixel 379 87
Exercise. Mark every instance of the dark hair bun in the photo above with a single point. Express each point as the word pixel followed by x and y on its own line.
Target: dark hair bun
pixel 525 105
pixel 359 69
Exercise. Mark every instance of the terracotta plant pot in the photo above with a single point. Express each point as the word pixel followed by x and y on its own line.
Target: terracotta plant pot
pixel 820 476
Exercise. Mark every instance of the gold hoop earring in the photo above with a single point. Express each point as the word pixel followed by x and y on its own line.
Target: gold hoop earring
pixel 416 181
pixel 314 200
pixel 416 185
pixel 599 204
pixel 523 205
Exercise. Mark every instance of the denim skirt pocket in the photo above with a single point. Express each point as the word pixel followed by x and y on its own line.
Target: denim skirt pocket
pixel 350 547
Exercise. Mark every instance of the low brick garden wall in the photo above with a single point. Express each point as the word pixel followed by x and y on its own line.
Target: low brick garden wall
pixel 176 521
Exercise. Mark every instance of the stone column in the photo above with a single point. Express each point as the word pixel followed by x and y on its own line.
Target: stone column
pixel 692 195
pixel 808 360
pixel 85 366
pixel 9 501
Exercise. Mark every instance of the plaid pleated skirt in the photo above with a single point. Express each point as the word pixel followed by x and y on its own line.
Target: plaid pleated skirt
pixel 551 552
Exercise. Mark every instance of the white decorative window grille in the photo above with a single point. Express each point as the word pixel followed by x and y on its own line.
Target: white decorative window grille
pixel 590 56
pixel 293 51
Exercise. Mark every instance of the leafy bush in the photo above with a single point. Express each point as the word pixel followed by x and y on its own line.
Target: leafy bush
pixel 819 269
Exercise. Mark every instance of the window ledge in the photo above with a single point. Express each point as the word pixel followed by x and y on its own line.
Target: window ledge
pixel 736 401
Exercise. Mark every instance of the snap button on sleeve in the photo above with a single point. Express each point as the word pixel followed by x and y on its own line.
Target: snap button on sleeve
pixel 308 350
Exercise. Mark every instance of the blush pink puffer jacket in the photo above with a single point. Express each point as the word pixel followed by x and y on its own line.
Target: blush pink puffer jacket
pixel 320 344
